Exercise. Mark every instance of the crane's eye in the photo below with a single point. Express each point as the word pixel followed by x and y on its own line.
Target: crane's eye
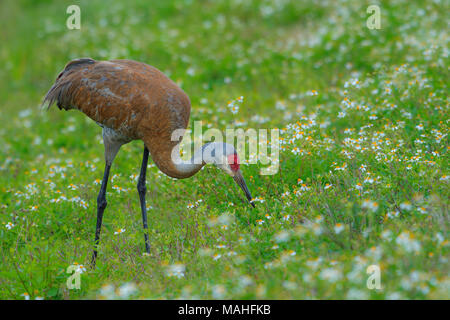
pixel 233 161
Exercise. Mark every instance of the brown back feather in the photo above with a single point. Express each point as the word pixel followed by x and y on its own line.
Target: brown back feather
pixel 58 92
pixel 130 97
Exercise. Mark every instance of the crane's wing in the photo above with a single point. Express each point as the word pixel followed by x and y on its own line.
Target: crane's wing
pixel 121 94
pixel 60 91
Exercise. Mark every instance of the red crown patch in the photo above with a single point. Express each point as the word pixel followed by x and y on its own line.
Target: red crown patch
pixel 233 161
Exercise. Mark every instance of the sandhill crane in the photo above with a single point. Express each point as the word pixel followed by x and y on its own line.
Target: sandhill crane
pixel 131 100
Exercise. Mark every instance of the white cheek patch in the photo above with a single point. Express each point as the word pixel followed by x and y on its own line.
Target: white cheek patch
pixel 224 165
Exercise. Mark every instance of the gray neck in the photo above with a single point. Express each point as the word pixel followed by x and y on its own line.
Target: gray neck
pixel 187 168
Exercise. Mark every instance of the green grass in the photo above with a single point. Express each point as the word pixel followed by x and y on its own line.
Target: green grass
pixel 388 200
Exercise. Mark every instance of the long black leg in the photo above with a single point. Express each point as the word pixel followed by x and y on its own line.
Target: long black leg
pixel 101 205
pixel 142 190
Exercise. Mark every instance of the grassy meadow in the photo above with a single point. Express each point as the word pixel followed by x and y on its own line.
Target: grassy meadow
pixel 363 177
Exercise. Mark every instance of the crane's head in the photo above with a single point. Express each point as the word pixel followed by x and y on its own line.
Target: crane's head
pixel 225 157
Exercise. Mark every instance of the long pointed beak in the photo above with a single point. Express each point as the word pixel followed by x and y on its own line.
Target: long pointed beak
pixel 241 182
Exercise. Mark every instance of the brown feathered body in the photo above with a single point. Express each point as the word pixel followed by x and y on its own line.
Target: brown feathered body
pixel 129 98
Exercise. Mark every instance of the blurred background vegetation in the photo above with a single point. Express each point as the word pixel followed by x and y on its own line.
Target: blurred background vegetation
pixel 273 53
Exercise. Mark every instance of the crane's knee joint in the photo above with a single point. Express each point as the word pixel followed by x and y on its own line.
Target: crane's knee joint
pixel 101 203
pixel 141 188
